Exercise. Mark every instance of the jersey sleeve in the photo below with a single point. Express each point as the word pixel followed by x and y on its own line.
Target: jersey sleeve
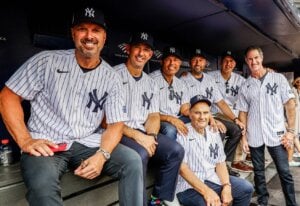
pixel 28 80
pixel 286 91
pixel 242 104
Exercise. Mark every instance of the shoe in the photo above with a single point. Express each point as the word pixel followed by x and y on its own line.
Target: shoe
pixel 248 158
pixel 241 167
pixel 154 201
pixel 232 173
pixel 294 164
pixel 296 154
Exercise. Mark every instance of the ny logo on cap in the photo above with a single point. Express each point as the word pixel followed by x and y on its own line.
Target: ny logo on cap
pixel 144 36
pixel 228 52
pixel 90 12
pixel 198 51
pixel 172 50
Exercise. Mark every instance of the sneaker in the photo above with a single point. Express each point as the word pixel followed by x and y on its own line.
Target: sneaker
pixel 296 154
pixel 154 201
pixel 241 167
pixel 294 164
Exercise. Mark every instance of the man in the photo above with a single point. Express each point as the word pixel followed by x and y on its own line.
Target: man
pixel 229 83
pixel 200 83
pixel 70 91
pixel 141 130
pixel 261 102
pixel 173 95
pixel 204 178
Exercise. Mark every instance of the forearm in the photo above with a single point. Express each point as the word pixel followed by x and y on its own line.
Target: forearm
pixel 152 125
pixel 112 136
pixel 226 110
pixel 291 113
pixel 222 172
pixel 13 116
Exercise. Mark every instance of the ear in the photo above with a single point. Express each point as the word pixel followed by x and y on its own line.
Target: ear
pixel 127 48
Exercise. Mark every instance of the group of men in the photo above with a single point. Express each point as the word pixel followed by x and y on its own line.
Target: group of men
pixel 156 119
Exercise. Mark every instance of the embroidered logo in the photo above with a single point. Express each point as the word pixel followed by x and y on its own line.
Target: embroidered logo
pixel 144 36
pixel 209 92
pixel 61 71
pixel 178 97
pixel 214 151
pixel 98 102
pixel 234 91
pixel 147 100
pixel 272 89
pixel 89 12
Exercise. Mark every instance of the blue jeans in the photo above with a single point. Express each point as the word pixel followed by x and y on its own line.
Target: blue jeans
pixel 42 175
pixel 167 160
pixel 241 192
pixel 170 130
pixel 280 158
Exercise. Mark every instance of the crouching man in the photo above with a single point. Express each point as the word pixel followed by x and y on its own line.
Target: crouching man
pixel 204 177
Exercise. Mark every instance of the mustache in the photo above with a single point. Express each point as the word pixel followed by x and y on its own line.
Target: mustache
pixel 86 40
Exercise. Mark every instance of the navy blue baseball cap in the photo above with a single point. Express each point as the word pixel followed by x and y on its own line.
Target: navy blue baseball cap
pixel 171 51
pixel 199 98
pixel 229 54
pixel 142 37
pixel 89 14
pixel 198 52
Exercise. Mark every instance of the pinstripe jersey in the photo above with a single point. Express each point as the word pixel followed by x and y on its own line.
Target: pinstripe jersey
pixel 207 87
pixel 264 104
pixel 229 89
pixel 171 97
pixel 67 104
pixel 142 97
pixel 201 155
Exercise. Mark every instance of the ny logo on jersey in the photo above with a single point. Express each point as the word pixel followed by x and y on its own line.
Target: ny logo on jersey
pixel 98 102
pixel 272 89
pixel 147 100
pixel 209 92
pixel 214 151
pixel 144 36
pixel 89 12
pixel 234 91
pixel 178 97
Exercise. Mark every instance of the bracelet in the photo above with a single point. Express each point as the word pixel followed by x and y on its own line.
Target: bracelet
pixel 226 184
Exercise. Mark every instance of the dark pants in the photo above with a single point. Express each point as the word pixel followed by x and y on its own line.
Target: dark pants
pixel 241 193
pixel 233 136
pixel 42 174
pixel 167 159
pixel 280 158
pixel 170 130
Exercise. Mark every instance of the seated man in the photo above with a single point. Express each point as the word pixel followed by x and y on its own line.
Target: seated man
pixel 204 177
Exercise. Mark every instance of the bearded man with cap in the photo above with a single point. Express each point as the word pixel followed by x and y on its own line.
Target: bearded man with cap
pixel 204 179
pixel 70 91
pixel 229 84
pixel 200 83
pixel 141 131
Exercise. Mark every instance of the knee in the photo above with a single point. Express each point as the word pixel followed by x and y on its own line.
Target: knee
pixel 177 151
pixel 247 187
pixel 169 130
pixel 134 161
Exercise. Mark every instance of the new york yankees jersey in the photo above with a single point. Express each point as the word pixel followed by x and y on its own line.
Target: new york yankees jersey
pixel 67 104
pixel 264 102
pixel 171 97
pixel 206 87
pixel 229 89
pixel 142 97
pixel 201 155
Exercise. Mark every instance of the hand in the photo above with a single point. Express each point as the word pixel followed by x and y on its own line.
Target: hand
pixel 38 147
pixel 180 126
pixel 226 195
pixel 287 140
pixel 241 125
pixel 91 167
pixel 148 142
pixel 245 144
pixel 220 126
pixel 211 197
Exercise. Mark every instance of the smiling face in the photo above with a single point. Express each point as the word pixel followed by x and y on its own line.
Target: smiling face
pixel 199 115
pixel 139 55
pixel 170 65
pixel 254 60
pixel 198 64
pixel 89 40
pixel 228 65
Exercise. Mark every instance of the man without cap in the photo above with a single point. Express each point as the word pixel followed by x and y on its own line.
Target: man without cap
pixel 173 95
pixel 70 91
pixel 204 179
pixel 261 102
pixel 200 83
pixel 229 84
pixel 141 131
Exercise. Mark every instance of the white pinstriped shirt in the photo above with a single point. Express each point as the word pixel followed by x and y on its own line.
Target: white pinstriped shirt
pixel 207 87
pixel 264 102
pixel 142 97
pixel 201 155
pixel 170 100
pixel 67 104
pixel 229 89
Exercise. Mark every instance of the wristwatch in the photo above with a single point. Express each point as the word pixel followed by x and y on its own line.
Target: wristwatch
pixel 105 153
